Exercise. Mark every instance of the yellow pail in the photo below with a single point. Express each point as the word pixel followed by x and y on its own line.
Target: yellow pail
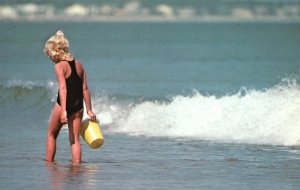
pixel 91 132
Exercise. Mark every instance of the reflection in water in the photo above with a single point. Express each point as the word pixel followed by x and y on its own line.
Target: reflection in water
pixel 64 176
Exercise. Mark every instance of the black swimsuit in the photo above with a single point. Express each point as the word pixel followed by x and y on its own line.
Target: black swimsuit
pixel 74 91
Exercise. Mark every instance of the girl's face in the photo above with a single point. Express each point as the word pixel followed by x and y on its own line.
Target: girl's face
pixel 55 57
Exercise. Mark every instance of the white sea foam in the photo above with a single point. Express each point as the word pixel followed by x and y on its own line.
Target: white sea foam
pixel 269 116
pixel 259 117
pixel 25 84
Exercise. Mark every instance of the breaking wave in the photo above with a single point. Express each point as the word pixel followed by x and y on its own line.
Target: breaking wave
pixel 268 116
pixel 251 116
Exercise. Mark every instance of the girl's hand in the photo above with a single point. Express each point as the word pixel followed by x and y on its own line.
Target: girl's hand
pixel 91 115
pixel 63 117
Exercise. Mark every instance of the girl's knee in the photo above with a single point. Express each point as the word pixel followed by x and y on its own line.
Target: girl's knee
pixel 53 131
pixel 52 135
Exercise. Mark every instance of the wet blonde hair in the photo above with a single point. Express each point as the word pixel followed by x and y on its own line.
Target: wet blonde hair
pixel 57 45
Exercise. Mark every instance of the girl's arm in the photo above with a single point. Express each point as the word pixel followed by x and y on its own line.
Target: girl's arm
pixel 87 97
pixel 62 91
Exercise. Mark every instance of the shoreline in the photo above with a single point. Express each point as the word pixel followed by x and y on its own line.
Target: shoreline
pixel 199 19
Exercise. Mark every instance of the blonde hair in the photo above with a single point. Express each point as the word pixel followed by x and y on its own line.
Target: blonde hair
pixel 57 45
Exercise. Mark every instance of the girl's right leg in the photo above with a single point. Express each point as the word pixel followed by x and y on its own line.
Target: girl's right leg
pixel 53 131
pixel 74 123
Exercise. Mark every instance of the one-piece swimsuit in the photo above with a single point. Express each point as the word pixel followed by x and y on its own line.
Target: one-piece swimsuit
pixel 74 91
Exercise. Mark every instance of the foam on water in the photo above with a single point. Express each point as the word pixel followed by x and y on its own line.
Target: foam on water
pixel 26 84
pixel 269 116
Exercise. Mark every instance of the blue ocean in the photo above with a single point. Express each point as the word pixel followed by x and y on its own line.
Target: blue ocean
pixel 189 96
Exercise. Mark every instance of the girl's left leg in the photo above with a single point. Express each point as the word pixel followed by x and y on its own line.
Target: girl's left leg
pixel 74 123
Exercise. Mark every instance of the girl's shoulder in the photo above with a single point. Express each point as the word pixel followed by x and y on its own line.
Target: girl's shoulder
pixel 79 68
pixel 78 64
pixel 60 64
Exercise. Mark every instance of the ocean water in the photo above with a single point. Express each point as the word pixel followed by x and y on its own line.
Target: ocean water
pixel 182 104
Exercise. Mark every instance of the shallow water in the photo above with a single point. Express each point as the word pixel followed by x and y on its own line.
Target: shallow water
pixel 127 162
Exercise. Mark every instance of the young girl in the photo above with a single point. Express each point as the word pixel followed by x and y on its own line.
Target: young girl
pixel 73 89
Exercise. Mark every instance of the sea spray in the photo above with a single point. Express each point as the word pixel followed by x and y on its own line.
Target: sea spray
pixel 268 116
